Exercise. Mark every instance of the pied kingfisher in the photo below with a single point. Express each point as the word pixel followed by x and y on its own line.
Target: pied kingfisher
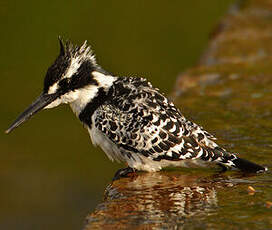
pixel 127 117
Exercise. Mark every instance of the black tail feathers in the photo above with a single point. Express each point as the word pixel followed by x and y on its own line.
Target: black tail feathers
pixel 248 166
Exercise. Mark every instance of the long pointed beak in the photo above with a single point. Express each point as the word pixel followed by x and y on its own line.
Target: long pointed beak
pixel 36 106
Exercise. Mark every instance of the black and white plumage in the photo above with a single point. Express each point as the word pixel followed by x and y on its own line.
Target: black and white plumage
pixel 127 117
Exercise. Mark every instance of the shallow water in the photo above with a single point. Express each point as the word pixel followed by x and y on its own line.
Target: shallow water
pixel 195 199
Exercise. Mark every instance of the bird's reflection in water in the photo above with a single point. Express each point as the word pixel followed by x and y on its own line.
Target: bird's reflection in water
pixel 156 200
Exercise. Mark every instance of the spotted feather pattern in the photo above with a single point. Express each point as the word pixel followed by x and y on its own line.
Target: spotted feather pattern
pixel 140 120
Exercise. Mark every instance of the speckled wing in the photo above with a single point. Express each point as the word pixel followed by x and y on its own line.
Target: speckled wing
pixel 139 119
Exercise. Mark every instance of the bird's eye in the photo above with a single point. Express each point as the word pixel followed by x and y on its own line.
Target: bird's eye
pixel 64 84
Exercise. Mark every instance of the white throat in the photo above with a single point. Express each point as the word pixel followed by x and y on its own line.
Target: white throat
pixel 82 98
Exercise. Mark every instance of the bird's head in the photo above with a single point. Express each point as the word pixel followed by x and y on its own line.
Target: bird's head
pixel 73 78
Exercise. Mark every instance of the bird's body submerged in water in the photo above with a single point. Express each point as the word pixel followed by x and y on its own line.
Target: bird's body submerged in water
pixel 127 117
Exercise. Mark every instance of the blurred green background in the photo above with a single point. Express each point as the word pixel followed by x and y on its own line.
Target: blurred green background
pixel 51 176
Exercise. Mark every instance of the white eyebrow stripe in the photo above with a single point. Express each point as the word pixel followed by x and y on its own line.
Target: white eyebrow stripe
pixel 75 64
pixel 53 89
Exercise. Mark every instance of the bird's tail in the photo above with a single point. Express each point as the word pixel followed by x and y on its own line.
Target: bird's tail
pixel 231 160
pixel 248 166
pixel 225 158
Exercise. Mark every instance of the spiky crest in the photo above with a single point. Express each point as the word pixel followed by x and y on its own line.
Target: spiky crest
pixel 82 52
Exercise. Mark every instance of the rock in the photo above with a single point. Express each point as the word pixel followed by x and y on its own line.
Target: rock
pixel 239 52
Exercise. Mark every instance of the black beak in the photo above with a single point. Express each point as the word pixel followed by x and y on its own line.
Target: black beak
pixel 36 106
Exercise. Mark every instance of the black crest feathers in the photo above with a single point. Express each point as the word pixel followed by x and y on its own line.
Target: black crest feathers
pixel 62 50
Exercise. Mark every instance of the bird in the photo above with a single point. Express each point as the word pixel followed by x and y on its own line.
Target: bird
pixel 132 121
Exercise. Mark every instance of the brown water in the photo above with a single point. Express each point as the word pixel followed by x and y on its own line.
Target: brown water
pixel 185 200
pixel 51 176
